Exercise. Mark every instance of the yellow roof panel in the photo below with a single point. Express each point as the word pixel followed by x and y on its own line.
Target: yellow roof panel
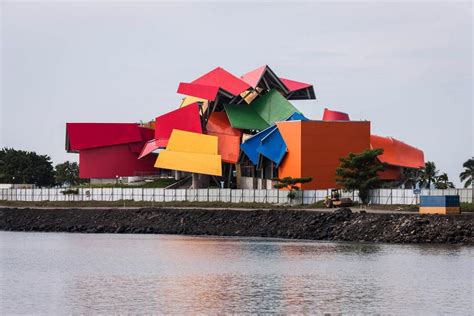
pixel 190 100
pixel 189 142
pixel 190 162
pixel 191 152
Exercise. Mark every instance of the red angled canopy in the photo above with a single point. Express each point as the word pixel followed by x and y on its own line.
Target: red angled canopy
pixel 330 115
pixel 397 153
pixel 219 77
pixel 185 119
pixel 81 136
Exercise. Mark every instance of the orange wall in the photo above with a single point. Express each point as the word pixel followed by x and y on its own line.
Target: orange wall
pixel 291 164
pixel 321 145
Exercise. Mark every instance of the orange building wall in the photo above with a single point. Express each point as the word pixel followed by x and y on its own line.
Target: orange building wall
pixel 321 145
pixel 291 164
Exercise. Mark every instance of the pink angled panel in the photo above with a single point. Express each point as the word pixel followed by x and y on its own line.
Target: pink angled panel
pixel 149 147
pixel 253 77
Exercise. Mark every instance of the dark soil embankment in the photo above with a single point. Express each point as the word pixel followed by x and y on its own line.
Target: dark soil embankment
pixel 340 225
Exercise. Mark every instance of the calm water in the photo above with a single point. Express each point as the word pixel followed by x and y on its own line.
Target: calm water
pixel 56 273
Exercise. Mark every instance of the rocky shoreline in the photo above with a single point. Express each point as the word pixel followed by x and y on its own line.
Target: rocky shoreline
pixel 339 225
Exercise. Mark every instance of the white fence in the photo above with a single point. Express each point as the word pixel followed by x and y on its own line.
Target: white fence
pixel 380 196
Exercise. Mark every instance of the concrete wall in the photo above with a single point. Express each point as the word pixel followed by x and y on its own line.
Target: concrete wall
pixel 249 182
pixel 103 181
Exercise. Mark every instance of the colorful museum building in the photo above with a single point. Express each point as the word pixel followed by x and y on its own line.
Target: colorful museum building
pixel 236 132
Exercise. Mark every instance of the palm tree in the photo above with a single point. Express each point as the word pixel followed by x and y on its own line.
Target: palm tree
pixel 428 174
pixel 410 177
pixel 442 182
pixel 468 173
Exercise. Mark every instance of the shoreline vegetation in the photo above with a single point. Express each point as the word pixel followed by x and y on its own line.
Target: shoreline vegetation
pixel 292 223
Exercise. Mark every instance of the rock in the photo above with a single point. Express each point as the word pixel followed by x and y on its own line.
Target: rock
pixel 120 230
pixel 341 224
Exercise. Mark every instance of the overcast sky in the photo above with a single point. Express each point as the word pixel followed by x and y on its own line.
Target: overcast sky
pixel 406 67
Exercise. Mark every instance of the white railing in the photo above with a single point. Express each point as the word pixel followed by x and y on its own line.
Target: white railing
pixel 379 196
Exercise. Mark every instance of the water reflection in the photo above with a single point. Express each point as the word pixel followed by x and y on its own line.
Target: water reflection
pixel 74 273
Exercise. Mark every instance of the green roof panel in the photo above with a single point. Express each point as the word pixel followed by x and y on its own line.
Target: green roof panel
pixel 273 107
pixel 243 116
pixel 261 113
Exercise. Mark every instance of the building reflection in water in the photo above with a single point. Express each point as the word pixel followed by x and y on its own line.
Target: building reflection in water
pixel 212 275
pixel 104 274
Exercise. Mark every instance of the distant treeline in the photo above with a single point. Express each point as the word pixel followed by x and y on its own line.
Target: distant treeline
pixel 20 166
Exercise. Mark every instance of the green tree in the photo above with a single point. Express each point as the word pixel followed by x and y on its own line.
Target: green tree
pixel 428 174
pixel 291 184
pixel 19 166
pixel 410 177
pixel 442 182
pixel 68 173
pixel 468 173
pixel 359 172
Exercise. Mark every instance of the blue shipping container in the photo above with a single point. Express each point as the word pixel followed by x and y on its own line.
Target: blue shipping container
pixel 443 200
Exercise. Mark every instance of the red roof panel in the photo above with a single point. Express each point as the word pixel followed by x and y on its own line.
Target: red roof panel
pixel 93 135
pixel 198 90
pixel 219 77
pixel 293 85
pixel 397 153
pixel 330 115
pixel 185 119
